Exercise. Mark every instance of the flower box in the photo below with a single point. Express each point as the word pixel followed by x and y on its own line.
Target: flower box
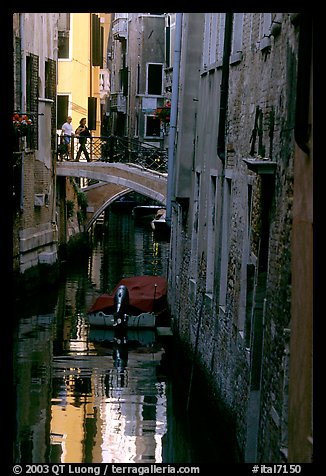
pixel 22 124
pixel 163 113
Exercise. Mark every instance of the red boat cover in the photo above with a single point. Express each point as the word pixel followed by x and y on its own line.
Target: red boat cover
pixel 144 296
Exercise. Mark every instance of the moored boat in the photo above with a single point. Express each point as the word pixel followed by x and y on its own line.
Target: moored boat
pixel 145 212
pixel 136 302
pixel 159 221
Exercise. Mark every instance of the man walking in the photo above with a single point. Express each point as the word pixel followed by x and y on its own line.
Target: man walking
pixel 67 132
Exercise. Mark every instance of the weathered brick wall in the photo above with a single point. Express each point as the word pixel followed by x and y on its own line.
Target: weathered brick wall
pixel 37 179
pixel 34 232
pixel 266 79
pixel 261 88
pixel 72 222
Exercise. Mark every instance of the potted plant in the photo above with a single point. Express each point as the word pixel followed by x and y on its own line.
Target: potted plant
pixel 163 113
pixel 22 124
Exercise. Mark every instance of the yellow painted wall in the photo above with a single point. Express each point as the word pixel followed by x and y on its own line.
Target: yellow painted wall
pixel 74 74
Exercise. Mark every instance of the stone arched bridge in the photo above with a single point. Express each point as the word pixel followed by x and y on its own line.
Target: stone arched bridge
pixel 115 179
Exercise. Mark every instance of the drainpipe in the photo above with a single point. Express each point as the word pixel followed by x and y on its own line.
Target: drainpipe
pixel 173 118
pixel 222 119
pixel 224 86
pixel 23 91
pixel 54 194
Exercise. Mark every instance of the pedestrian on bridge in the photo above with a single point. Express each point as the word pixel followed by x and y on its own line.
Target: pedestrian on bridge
pixel 66 134
pixel 82 132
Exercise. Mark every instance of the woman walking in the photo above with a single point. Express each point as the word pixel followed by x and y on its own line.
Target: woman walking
pixel 82 132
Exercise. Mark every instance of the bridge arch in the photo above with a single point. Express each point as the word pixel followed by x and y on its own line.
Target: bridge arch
pixel 123 177
pixel 102 207
pixel 105 204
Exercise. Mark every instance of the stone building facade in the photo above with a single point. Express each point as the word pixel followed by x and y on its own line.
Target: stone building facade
pixel 230 268
pixel 137 76
pixel 59 67
pixel 34 186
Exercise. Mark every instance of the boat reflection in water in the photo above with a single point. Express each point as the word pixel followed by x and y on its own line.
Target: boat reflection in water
pixel 119 341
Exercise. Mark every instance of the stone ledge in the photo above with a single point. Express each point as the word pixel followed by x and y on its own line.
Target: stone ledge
pixel 261 167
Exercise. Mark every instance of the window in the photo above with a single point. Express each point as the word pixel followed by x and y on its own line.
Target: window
pixel 154 79
pixel 138 78
pixel 63 44
pixel 167 42
pixel 123 75
pixel 265 40
pixel 236 53
pixel 237 33
pixel 170 20
pixel 63 35
pixel 152 127
pixel 213 38
pixel 220 41
pixel 266 24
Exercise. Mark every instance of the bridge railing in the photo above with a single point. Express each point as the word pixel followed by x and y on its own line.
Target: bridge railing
pixel 115 149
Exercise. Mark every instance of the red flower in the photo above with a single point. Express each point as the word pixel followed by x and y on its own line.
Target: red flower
pixel 163 113
pixel 22 123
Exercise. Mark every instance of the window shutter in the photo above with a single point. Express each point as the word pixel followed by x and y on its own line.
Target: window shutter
pixel 91 120
pixel 32 72
pixel 50 93
pixel 96 41
pixel 62 110
pixel 18 82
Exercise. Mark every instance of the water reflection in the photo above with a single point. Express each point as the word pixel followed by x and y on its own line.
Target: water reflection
pixel 124 247
pixel 107 405
pixel 84 396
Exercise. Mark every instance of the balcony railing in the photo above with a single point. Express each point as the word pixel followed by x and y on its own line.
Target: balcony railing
pixel 118 102
pixel 116 149
pixel 119 28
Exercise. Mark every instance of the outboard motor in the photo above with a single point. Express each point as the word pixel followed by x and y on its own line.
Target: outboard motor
pixel 121 304
pixel 120 352
pixel 120 358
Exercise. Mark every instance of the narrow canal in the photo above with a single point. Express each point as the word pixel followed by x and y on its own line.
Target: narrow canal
pixel 75 403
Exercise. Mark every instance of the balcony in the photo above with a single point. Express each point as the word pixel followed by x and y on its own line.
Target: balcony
pixel 261 166
pixel 104 83
pixel 118 102
pixel 119 29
